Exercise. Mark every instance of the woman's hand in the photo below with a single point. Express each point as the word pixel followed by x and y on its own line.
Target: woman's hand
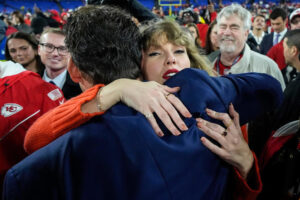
pixel 147 98
pixel 233 147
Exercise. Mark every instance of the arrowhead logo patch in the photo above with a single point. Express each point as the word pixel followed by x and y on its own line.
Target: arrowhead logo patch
pixel 10 109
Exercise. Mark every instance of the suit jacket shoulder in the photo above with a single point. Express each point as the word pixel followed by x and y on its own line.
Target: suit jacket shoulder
pixel 70 89
pixel 266 43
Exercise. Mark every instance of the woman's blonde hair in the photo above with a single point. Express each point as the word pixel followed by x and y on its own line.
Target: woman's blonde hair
pixel 156 32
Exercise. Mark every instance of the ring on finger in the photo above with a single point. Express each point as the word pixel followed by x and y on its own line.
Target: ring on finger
pixel 224 133
pixel 167 95
pixel 148 115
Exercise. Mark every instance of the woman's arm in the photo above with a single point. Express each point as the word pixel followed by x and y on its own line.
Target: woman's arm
pixel 145 97
pixel 60 120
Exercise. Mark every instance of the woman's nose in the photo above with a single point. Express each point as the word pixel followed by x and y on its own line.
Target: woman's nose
pixel 171 60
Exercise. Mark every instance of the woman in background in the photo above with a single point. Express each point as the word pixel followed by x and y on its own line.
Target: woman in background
pixel 194 31
pixel 22 48
pixel 212 46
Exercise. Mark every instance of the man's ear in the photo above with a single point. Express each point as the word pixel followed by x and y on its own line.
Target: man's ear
pixel 74 72
pixel 38 50
pixel 297 52
pixel 294 51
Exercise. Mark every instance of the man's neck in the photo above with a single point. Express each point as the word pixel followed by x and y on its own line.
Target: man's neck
pixel 228 59
pixel 257 32
pixel 52 74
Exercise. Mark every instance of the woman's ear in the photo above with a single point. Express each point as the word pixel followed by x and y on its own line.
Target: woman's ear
pixel 74 72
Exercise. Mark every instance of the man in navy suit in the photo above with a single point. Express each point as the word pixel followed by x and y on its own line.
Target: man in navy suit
pixel 278 23
pixel 118 155
pixel 54 55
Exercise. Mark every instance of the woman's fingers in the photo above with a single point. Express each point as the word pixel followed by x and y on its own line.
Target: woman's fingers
pixel 224 117
pixel 213 126
pixel 214 148
pixel 167 106
pixel 166 118
pixel 212 130
pixel 151 97
pixel 154 124
pixel 178 105
pixel 235 115
pixel 232 146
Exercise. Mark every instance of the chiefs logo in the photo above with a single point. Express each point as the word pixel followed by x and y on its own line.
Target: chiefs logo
pixel 10 109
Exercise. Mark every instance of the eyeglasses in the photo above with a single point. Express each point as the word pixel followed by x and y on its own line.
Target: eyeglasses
pixel 62 50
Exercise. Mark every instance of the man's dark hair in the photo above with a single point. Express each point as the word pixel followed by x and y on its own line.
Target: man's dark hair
pixel 104 43
pixel 19 15
pixel 259 15
pixel 278 12
pixel 293 38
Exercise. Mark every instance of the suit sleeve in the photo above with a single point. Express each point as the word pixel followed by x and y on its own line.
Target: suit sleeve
pixel 59 121
pixel 256 93
pixel 11 191
pixel 250 93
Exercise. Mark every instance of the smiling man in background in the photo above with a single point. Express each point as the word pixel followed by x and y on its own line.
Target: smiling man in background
pixel 54 55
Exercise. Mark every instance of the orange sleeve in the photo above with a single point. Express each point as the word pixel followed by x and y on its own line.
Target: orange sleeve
pixel 59 121
pixel 245 190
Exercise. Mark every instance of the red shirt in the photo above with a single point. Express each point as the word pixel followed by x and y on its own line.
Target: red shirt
pixel 222 69
pixel 202 29
pixel 276 54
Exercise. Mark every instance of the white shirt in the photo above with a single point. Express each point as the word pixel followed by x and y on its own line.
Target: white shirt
pixel 258 39
pixel 59 80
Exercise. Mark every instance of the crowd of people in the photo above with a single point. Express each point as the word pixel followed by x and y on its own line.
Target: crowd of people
pixel 112 103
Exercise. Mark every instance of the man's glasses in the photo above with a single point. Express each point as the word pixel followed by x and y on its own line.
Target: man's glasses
pixel 62 50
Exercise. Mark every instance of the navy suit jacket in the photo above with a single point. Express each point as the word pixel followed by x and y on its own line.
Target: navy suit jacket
pixel 70 89
pixel 119 156
pixel 266 43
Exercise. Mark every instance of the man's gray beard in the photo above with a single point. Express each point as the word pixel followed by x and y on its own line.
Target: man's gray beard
pixel 227 48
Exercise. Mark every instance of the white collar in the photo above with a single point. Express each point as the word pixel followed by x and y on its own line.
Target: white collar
pixel 59 80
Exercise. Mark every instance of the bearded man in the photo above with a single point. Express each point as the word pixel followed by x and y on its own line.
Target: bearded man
pixel 234 24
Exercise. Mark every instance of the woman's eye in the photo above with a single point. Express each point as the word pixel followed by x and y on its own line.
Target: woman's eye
pixel 153 54
pixel 179 51
pixel 23 48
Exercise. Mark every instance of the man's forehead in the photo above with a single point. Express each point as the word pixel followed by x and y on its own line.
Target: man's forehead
pixel 259 18
pixel 278 19
pixel 48 37
pixel 51 34
pixel 230 20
